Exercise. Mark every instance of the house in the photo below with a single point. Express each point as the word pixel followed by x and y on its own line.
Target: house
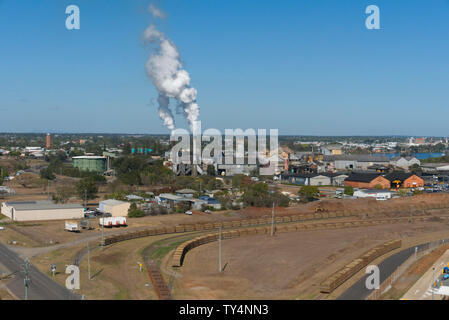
pixel 212 202
pixel 332 149
pixel 404 162
pixel 404 180
pixel 186 193
pixel 367 181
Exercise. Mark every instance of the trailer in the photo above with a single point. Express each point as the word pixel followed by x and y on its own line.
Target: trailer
pixel 72 226
pixel 105 222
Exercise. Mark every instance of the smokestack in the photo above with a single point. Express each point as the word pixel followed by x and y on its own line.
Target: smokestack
pixel 48 142
pixel 165 69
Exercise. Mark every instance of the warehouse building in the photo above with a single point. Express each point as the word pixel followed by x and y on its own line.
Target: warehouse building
pixel 404 180
pixel 367 180
pixel 116 208
pixel 41 210
pixel 90 163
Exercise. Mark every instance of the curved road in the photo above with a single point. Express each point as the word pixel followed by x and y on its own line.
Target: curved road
pixel 359 291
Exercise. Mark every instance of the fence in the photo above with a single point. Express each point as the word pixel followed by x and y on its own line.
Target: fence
pixel 419 252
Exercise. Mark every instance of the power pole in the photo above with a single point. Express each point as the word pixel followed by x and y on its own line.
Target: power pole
pixel 26 280
pixel 102 231
pixel 88 260
pixel 411 212
pixel 272 220
pixel 219 249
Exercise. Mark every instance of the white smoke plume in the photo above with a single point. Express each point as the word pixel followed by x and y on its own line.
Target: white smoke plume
pixel 165 69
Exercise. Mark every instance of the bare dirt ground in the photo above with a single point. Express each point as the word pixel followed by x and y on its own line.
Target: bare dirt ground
pixel 114 270
pixel 288 266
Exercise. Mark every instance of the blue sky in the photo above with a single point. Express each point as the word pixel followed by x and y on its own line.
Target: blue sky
pixel 305 67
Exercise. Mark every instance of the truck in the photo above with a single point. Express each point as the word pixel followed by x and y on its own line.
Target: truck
pixel 72 226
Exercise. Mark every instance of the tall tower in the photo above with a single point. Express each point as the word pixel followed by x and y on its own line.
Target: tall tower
pixel 48 142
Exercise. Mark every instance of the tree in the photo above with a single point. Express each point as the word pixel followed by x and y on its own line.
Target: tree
pixel 63 194
pixel 87 188
pixel 211 170
pixel 349 191
pixel 134 212
pixel 308 193
pixel 415 169
pixel 47 174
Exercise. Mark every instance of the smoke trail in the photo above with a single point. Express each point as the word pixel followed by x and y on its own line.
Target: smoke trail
pixel 165 69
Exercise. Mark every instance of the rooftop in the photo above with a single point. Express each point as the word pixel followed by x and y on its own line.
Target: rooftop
pixel 113 202
pixel 41 205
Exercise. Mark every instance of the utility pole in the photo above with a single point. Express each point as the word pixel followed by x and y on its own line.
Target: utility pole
pixel 411 212
pixel 88 260
pixel 26 280
pixel 219 249
pixel 272 220
pixel 102 231
pixel 433 284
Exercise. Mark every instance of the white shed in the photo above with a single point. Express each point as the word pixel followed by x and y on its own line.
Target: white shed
pixel 116 208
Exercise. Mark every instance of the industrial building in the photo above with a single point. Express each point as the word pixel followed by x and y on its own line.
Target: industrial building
pixel 367 180
pixel 90 163
pixel 41 210
pixel 404 180
pixel 116 208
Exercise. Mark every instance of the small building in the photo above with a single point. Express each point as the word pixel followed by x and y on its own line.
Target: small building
pixel 367 180
pixel 378 194
pixel 332 149
pixel 337 178
pixel 434 167
pixel 90 163
pixel 41 210
pixel 319 180
pixel 404 162
pixel 186 193
pixel 211 202
pixel 404 180
pixel 116 208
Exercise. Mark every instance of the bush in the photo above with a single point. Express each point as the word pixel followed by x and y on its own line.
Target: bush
pixel 134 212
pixel 308 193
pixel 349 191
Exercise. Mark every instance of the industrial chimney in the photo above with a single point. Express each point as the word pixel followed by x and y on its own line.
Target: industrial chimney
pixel 48 142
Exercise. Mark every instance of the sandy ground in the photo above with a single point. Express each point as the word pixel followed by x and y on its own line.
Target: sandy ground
pixel 288 266
pixel 114 270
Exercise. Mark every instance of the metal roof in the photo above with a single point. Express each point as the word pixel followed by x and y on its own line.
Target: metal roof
pixel 41 205
pixel 112 202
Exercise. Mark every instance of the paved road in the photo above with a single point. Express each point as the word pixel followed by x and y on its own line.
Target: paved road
pixel 422 289
pixel 359 291
pixel 42 287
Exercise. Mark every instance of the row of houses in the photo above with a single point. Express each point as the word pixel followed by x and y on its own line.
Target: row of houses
pixel 357 180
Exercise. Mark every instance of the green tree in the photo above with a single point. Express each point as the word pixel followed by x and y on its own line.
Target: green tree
pixel 87 187
pixel 47 174
pixel 308 193
pixel 134 212
pixel 349 191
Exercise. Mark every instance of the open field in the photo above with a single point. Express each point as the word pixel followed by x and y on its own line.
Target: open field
pixel 288 266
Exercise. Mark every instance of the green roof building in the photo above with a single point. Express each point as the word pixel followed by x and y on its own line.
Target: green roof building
pixel 90 163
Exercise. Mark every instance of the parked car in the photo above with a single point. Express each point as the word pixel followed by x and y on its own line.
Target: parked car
pixel 207 211
pixel 2 228
pixel 188 212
